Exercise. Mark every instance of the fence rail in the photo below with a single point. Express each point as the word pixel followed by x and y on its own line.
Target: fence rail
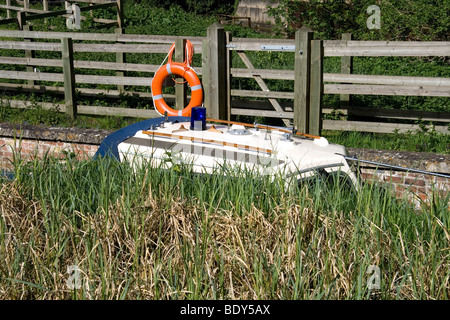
pixel 105 43
pixel 347 83
pixel 25 14
pixel 316 83
pixel 302 107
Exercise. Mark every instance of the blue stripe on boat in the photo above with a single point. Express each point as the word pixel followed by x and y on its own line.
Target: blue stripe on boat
pixel 108 147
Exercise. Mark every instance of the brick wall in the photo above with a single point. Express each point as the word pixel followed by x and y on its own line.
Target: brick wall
pixel 36 141
pixel 415 186
pixel 31 149
pixel 83 143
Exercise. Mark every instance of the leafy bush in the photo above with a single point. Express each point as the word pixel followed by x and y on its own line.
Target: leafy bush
pixel 400 19
pixel 210 7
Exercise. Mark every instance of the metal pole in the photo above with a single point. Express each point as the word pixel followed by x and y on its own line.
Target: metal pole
pixel 398 167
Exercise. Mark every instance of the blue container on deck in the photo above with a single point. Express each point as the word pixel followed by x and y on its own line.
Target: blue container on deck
pixel 198 118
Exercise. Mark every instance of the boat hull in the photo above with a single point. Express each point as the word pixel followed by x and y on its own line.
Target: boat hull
pixel 165 142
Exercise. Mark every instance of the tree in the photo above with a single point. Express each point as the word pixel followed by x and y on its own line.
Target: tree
pixel 400 19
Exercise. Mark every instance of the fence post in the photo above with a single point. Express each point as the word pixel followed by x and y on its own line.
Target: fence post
pixel 303 38
pixel 8 12
pixel 29 53
pixel 45 8
pixel 316 91
pixel 206 76
pixel 21 19
pixel 120 58
pixel 229 64
pixel 214 71
pixel 346 68
pixel 120 13
pixel 22 23
pixel 180 87
pixel 69 77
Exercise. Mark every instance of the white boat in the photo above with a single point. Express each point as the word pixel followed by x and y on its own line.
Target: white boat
pixel 209 146
pixel 212 145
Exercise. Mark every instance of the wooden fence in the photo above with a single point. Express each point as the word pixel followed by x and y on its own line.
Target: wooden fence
pixel 70 76
pixel 303 107
pixel 347 83
pixel 22 15
pixel 311 83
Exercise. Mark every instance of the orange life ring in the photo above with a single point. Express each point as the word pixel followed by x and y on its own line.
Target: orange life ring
pixel 182 70
pixel 189 53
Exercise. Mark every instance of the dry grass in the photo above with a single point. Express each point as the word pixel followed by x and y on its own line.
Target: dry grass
pixel 159 243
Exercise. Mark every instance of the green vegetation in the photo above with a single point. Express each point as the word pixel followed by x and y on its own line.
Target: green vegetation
pixel 35 114
pixel 166 234
pixel 416 20
pixel 329 19
pixel 424 140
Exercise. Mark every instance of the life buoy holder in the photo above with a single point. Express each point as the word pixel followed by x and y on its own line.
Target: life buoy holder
pixel 181 69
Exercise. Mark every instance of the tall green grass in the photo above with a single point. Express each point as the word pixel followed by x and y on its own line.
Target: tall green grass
pixel 169 234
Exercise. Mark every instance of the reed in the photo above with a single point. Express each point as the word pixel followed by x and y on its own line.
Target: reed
pixel 154 233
